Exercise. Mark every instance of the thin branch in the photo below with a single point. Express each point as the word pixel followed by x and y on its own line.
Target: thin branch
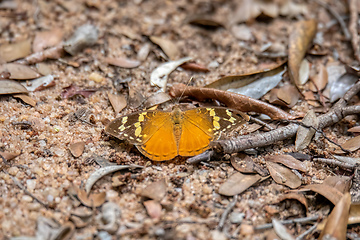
pixel 353 28
pixel 335 162
pixel 307 232
pixel 226 212
pixel 291 221
pixel 336 16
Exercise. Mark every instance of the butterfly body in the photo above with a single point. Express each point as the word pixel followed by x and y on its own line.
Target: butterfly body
pixel 162 135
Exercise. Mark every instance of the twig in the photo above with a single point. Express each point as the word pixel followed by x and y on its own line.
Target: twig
pixel 291 221
pixel 262 123
pixel 353 28
pixel 226 212
pixel 338 112
pixel 337 17
pixel 304 234
pixel 335 162
pixel 17 183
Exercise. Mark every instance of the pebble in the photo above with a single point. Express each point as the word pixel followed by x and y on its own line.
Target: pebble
pixel 246 229
pixel 31 184
pixel 236 217
pixel 27 198
pixel 218 235
pixel 213 64
pixel 13 171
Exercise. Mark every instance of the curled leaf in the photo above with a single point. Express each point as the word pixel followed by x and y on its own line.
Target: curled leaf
pixel 40 83
pixel 123 62
pixel 331 193
pixel 95 176
pixel 91 200
pixel 160 75
pixel 300 39
pixel 231 100
pixel 336 224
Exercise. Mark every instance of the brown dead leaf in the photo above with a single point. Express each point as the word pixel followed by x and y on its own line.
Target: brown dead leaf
pixel 289 94
pixel 118 102
pixel 73 90
pixel 153 208
pixel 243 163
pixel 237 81
pixel 77 148
pixel 155 190
pixel 18 71
pixel 26 99
pixel 204 21
pixel 9 155
pixel 304 135
pixel 282 175
pixel 91 200
pixel 231 100
pixel 238 183
pixel 46 39
pixel 352 144
pixel 11 87
pixel 296 196
pixel 309 96
pixel 355 129
pixel 330 193
pixel 12 51
pixel 320 80
pixel 195 67
pixel 336 224
pixel 156 99
pixel 341 183
pixel 169 48
pixel 288 161
pixel 122 62
pixel 299 41
pixel 354 214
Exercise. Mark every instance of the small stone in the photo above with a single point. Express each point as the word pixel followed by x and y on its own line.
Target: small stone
pixel 218 235
pixel 31 184
pixel 96 77
pixel 236 217
pixel 13 171
pixel 26 198
pixel 213 64
pixel 246 229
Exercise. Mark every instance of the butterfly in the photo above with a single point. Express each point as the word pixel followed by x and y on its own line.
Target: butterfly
pixel 163 135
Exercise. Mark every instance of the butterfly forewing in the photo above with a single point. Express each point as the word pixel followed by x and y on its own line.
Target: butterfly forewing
pixel 138 127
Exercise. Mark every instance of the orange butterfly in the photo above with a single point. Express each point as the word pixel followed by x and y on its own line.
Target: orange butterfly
pixel 161 135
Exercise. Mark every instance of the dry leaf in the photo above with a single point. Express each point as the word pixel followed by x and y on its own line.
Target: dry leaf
pixel 243 163
pixel 155 190
pixel 300 39
pixel 143 52
pixel 239 81
pixel 91 200
pixel 39 83
pixel 26 99
pixel 169 48
pixel 12 51
pixel 122 62
pixel 99 173
pixel 304 135
pixel 160 75
pixel 153 208
pixel 77 148
pixel 156 99
pixel 282 175
pixel 296 196
pixel 238 183
pixel 73 90
pixel 84 36
pixel 46 39
pixel 330 193
pixel 288 161
pixel 18 71
pixel 352 144
pixel 11 87
pixel 342 85
pixel 9 155
pixel 281 230
pixel 204 21
pixel 289 94
pixel 355 129
pixel 231 100
pixel 118 102
pixel 354 214
pixel 320 80
pixel 336 224
pixel 195 67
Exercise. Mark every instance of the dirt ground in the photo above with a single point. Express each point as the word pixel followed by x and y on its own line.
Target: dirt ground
pixel 190 205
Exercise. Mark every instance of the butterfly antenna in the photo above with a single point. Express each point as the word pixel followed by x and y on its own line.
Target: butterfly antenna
pixel 187 84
